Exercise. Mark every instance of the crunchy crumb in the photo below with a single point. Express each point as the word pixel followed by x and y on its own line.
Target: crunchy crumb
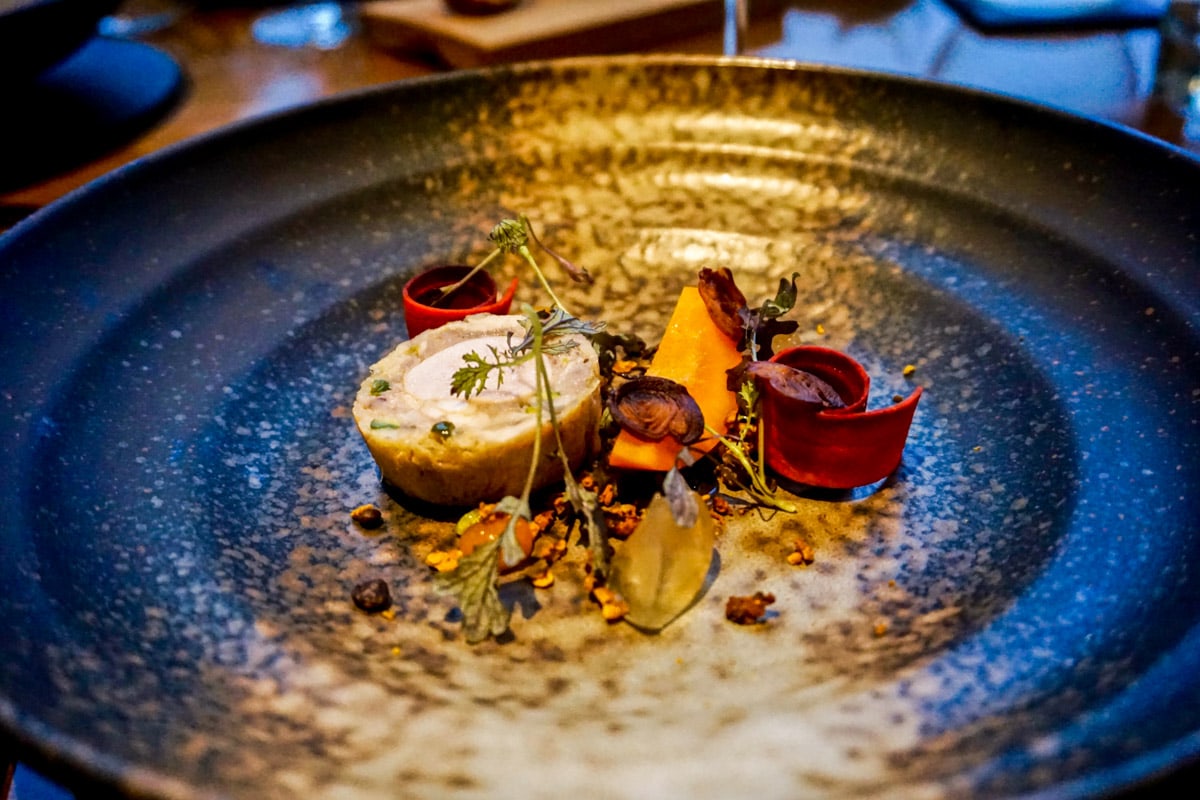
pixel 444 560
pixel 549 549
pixel 802 554
pixel 880 628
pixel 612 606
pixel 720 506
pixel 372 596
pixel 543 521
pixel 622 518
pixel 625 366
pixel 820 329
pixel 367 516
pixel 909 369
pixel 748 610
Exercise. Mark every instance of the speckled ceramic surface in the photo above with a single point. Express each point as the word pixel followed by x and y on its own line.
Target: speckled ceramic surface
pixel 1015 611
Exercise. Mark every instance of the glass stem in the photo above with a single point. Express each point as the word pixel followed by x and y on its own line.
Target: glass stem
pixel 737 16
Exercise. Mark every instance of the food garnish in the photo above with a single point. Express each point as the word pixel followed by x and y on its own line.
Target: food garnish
pixel 802 554
pixel 749 610
pixel 796 384
pixel 652 408
pixel 426 307
pixel 512 236
pixel 753 328
pixel 368 516
pixel 491 525
pixel 472 378
pixel 373 595
pixel 661 568
pixel 836 447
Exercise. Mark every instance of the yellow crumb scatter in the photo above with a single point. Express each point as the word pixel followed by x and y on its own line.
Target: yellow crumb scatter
pixel 443 560
pixel 802 553
pixel 612 606
pixel 624 366
pixel 909 369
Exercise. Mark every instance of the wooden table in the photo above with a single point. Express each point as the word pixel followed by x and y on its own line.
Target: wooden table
pixel 232 77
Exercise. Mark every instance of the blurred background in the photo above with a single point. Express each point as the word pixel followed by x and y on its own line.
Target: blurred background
pixel 90 85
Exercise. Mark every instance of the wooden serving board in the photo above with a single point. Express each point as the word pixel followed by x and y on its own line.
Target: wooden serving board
pixel 540 28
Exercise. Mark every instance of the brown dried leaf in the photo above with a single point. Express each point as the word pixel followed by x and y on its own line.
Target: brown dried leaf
pixel 796 384
pixel 654 408
pixel 723 299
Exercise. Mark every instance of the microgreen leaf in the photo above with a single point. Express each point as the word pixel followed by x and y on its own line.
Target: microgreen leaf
pixel 554 327
pixel 784 300
pixel 473 585
pixel 472 378
pixel 510 235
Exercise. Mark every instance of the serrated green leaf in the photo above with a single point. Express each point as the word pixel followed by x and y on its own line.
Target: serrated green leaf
pixel 473 585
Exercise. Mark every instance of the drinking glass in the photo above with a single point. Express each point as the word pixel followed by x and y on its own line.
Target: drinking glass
pixel 322 26
pixel 737 16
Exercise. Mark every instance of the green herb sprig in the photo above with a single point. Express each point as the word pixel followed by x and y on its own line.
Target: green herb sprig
pixel 513 236
pixel 474 582
pixel 472 378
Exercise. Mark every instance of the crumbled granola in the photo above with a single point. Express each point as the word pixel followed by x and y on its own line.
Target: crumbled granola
pixel 444 560
pixel 748 610
pixel 802 554
pixel 373 595
pixel 612 606
pixel 622 519
pixel 367 516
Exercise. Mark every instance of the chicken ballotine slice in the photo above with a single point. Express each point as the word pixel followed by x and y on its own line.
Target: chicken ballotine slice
pixel 444 449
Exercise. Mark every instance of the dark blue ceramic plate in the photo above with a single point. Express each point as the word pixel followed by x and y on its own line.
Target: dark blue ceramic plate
pixel 1014 612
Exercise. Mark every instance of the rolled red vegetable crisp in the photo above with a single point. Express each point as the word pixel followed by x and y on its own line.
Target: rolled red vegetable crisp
pixel 836 448
pixel 477 296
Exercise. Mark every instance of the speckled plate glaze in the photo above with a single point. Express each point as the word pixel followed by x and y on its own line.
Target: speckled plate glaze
pixel 1016 611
